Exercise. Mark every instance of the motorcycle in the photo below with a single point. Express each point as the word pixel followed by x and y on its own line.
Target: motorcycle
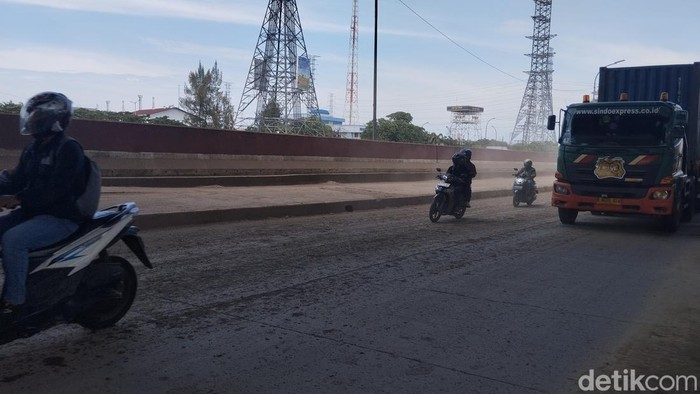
pixel 444 202
pixel 524 190
pixel 77 281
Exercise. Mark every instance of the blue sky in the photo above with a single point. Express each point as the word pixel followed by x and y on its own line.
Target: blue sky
pixel 99 50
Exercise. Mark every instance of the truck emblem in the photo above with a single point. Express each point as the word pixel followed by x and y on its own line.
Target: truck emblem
pixel 607 167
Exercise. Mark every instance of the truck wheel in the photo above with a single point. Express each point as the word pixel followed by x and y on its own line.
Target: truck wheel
pixel 567 216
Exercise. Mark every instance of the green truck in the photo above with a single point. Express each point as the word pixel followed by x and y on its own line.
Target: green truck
pixel 635 151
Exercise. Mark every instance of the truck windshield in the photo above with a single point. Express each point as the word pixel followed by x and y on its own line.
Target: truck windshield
pixel 617 126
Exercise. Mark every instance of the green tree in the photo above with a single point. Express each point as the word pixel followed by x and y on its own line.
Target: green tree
pixel 269 120
pixel 401 117
pixel 165 121
pixel 397 127
pixel 311 125
pixel 205 100
pixel 124 116
pixel 94 114
pixel 10 107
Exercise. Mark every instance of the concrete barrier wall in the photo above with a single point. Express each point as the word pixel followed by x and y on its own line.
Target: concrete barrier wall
pixel 126 149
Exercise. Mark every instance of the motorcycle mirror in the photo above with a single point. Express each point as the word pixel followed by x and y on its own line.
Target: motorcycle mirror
pixel 439 169
pixel 515 169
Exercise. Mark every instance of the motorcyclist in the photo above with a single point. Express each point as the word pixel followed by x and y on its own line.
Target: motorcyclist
pixel 45 184
pixel 528 172
pixel 463 170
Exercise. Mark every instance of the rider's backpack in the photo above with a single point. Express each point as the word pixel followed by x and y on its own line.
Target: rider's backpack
pixel 88 198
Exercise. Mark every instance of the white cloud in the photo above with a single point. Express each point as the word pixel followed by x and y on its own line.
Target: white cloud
pixel 237 12
pixel 187 48
pixel 515 27
pixel 220 11
pixel 61 60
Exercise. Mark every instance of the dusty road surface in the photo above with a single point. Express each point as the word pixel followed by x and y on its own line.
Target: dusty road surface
pixel 504 300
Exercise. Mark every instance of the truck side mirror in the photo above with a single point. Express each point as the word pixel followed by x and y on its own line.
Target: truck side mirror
pixel 678 132
pixel 551 121
pixel 679 124
pixel 681 118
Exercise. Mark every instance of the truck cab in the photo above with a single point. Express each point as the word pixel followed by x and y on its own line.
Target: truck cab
pixel 623 157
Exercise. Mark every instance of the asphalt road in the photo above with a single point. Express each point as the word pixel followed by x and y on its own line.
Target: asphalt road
pixel 504 300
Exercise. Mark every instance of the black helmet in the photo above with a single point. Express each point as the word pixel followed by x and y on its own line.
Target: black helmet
pixel 461 157
pixel 45 113
pixel 458 158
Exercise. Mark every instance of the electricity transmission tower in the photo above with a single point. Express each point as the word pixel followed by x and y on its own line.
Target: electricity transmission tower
pixel 531 124
pixel 280 79
pixel 351 113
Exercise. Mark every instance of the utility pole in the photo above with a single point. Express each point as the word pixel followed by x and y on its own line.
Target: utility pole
pixel 595 88
pixel 374 95
pixel 486 130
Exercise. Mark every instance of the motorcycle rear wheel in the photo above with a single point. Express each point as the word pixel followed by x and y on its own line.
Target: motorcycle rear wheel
pixel 459 212
pixel 435 210
pixel 113 301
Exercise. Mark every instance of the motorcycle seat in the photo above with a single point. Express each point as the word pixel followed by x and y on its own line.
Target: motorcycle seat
pixel 99 219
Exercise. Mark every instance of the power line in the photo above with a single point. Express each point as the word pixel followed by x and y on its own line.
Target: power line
pixel 458 45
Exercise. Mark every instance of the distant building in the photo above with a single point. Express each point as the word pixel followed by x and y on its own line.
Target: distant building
pixel 172 113
pixel 345 131
pixel 326 117
pixel 350 131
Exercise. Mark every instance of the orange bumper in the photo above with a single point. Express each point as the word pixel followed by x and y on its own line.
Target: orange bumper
pixel 563 197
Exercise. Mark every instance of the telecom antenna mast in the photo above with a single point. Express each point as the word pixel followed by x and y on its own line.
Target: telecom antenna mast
pixel 280 77
pixel 531 124
pixel 351 113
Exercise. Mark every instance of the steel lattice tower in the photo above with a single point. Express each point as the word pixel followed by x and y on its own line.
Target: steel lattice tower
pixel 351 92
pixel 531 124
pixel 280 72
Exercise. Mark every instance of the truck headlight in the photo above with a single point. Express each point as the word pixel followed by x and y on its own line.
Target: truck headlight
pixel 560 189
pixel 660 195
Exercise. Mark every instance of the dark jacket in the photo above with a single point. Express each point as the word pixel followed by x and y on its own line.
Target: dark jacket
pixel 530 173
pixel 464 173
pixel 48 182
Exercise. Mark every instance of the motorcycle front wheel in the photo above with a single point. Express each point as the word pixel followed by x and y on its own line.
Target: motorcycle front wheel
pixel 109 293
pixel 435 209
pixel 516 200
